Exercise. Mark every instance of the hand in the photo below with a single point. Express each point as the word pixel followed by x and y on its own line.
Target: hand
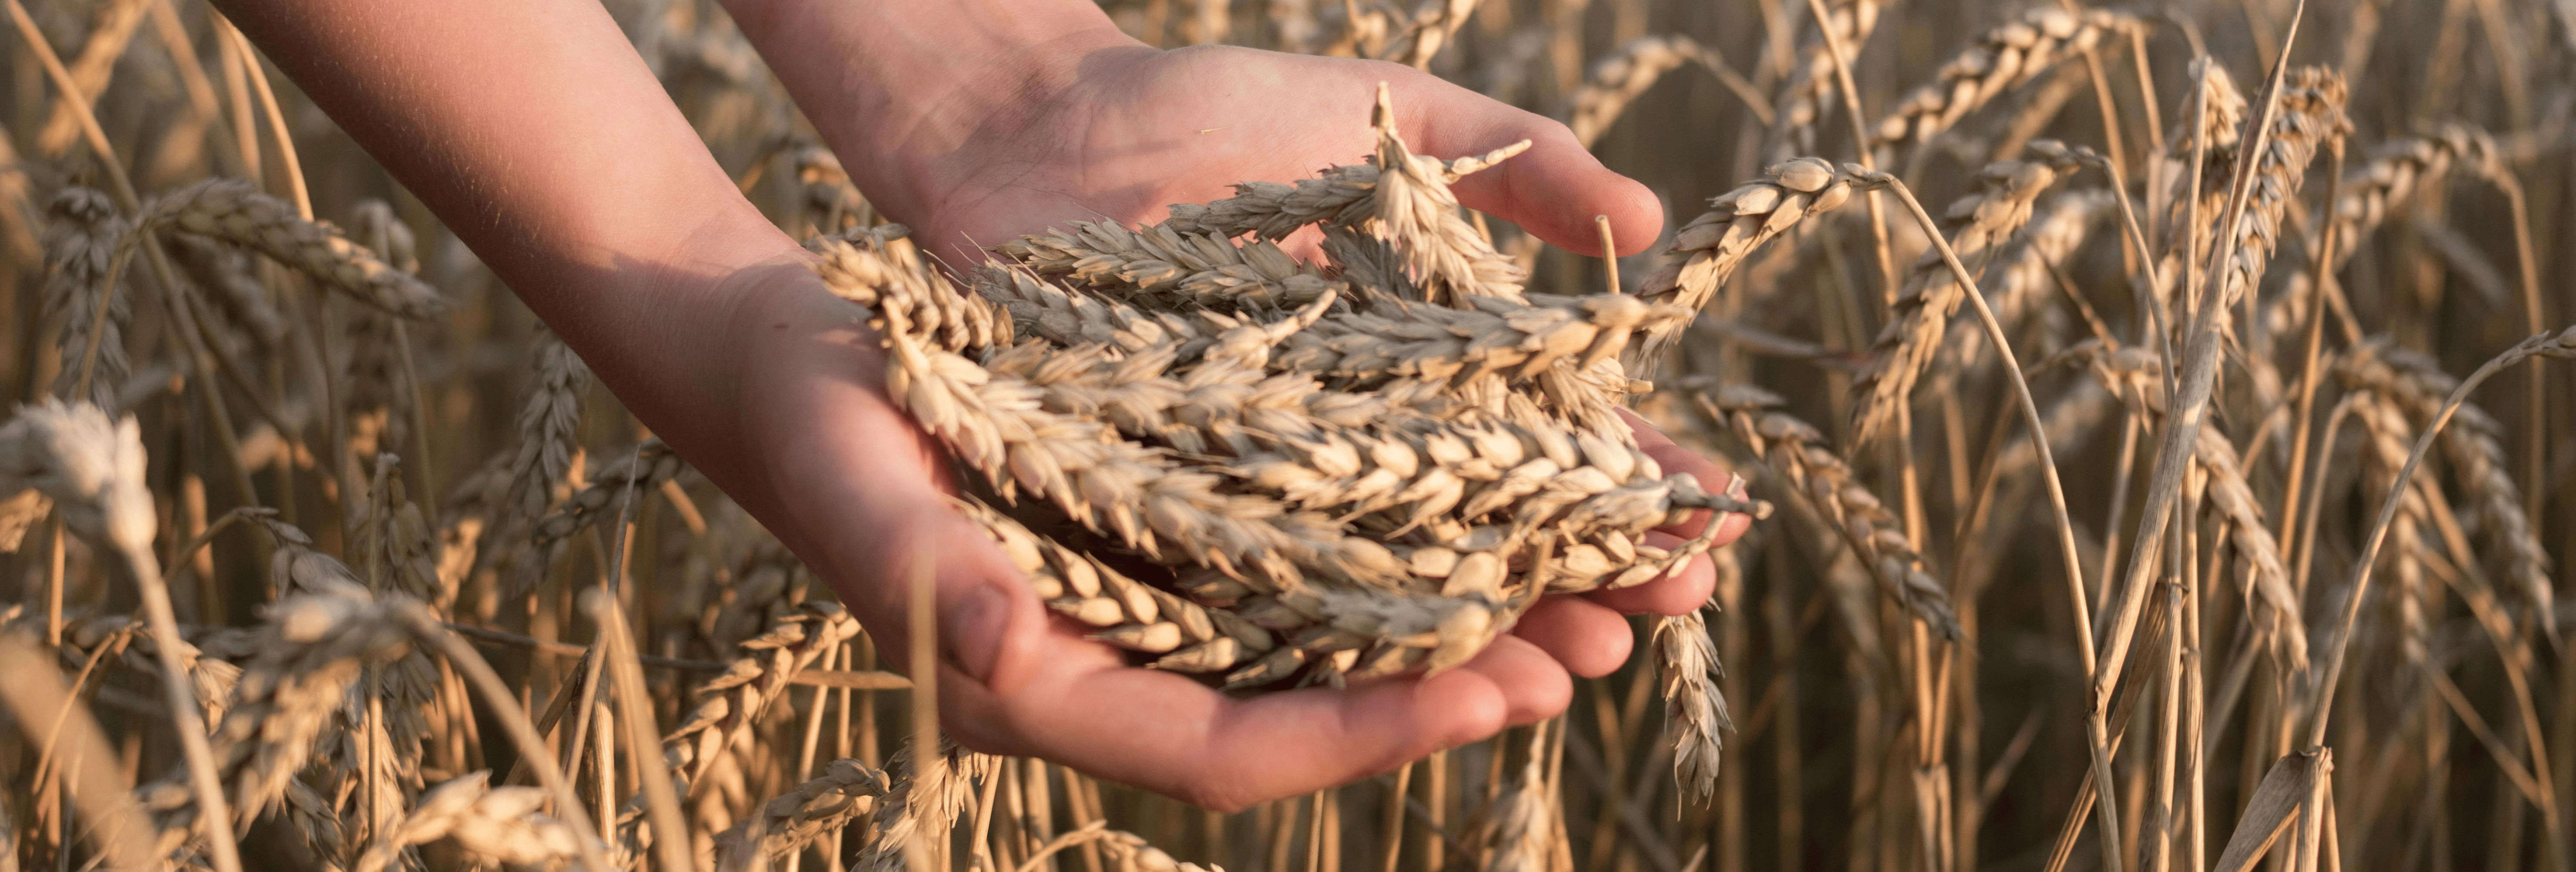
pixel 1131 130
pixel 1116 130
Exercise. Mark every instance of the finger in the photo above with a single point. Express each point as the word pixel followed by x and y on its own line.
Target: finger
pixel 1535 686
pixel 1674 458
pixel 1589 640
pixel 1675 593
pixel 1553 190
pixel 1172 735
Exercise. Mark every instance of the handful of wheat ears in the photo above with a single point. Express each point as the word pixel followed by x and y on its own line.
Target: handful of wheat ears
pixel 1350 469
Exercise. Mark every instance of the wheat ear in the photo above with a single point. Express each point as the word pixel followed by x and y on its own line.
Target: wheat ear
pixel 914 804
pixel 236 212
pixel 1694 710
pixel 1805 460
pixel 1166 266
pixel 81 236
pixel 1809 92
pixel 495 825
pixel 1710 248
pixel 1994 62
pixel 1621 76
pixel 1977 225
pixel 846 792
pixel 2271 604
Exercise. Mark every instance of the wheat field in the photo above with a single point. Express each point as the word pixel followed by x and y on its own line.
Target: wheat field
pixel 2151 416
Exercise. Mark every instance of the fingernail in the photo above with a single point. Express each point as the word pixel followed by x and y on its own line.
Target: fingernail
pixel 1735 487
pixel 971 631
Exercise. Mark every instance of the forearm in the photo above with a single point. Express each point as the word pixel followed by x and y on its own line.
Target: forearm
pixel 534 131
pixel 894 85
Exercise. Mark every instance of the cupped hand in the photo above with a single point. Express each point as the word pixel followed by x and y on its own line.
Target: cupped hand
pixel 861 494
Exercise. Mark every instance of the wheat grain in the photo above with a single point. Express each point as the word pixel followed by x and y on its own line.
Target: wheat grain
pixel 1122 611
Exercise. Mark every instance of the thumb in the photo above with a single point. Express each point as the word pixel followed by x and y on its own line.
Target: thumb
pixel 986 621
pixel 1554 190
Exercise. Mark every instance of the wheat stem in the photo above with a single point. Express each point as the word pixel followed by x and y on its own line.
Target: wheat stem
pixel 2094 728
pixel 2561 345
pixel 514 720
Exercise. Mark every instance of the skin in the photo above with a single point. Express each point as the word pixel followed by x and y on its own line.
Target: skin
pixel 534 131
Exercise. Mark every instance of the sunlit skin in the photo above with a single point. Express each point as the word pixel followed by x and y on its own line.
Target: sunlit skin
pixel 533 130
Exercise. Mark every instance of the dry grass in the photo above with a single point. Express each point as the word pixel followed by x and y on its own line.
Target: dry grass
pixel 272 491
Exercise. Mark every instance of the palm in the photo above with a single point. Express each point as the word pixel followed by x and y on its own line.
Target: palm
pixel 1145 129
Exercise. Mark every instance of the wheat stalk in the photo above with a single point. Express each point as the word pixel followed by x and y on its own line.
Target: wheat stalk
pixel 111 28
